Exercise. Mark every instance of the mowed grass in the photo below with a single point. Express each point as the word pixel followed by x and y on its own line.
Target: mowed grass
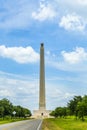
pixel 64 124
pixel 5 121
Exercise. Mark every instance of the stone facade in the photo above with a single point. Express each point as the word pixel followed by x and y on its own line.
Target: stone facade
pixel 42 112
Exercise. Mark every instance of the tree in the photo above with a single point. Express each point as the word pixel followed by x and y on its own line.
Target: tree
pixel 77 106
pixel 64 111
pixel 72 105
pixel 85 101
pixel 59 112
pixel 21 112
pixel 53 113
pixel 27 112
pixel 7 106
pixel 81 108
pixel 1 111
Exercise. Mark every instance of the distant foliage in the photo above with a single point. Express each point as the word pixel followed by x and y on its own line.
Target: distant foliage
pixel 77 106
pixel 8 109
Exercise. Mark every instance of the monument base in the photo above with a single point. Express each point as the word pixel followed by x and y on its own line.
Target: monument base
pixel 41 113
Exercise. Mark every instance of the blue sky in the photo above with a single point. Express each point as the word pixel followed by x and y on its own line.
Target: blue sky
pixel 62 27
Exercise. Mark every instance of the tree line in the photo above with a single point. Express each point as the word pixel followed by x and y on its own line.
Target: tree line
pixel 77 107
pixel 8 109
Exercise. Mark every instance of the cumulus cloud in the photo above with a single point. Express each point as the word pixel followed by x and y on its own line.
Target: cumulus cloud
pixel 72 22
pixel 24 12
pixel 71 61
pixel 19 54
pixel 75 56
pixel 44 12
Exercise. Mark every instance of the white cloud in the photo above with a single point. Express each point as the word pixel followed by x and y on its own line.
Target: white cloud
pixel 72 22
pixel 68 95
pixel 45 12
pixel 19 54
pixel 18 89
pixel 60 96
pixel 18 16
pixel 72 61
pixel 73 3
pixel 82 2
pixel 5 93
pixel 76 56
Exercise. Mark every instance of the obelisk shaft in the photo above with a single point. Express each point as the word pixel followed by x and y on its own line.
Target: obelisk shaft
pixel 42 105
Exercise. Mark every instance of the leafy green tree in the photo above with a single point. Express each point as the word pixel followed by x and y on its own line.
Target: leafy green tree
pixel 77 106
pixel 72 105
pixel 27 113
pixel 1 111
pixel 85 101
pixel 53 113
pixel 7 109
pixel 7 106
pixel 81 107
pixel 18 110
pixel 59 112
pixel 21 112
pixel 64 111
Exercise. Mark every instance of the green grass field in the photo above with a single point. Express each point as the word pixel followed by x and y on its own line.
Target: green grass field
pixel 11 120
pixel 64 124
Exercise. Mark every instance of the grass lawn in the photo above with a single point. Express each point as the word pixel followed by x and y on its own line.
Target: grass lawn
pixel 64 124
pixel 10 120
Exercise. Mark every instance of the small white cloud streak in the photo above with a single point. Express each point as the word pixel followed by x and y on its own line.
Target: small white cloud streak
pixel 72 22
pixel 60 96
pixel 45 12
pixel 5 93
pixel 76 56
pixel 16 14
pixel 72 61
pixel 82 2
pixel 76 3
pixel 19 54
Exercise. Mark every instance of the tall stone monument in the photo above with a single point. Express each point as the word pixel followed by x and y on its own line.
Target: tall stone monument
pixel 42 103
